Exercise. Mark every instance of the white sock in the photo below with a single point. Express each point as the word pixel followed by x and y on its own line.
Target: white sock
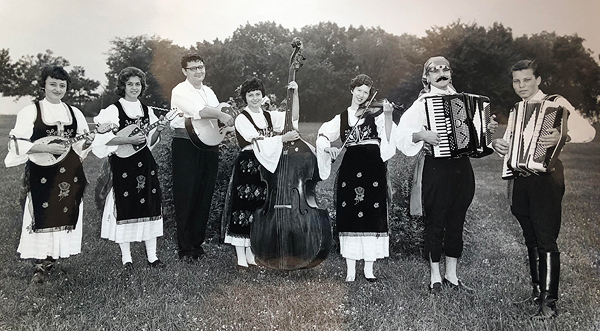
pixel 350 270
pixel 435 272
pixel 250 256
pixel 241 256
pixel 451 263
pixel 369 269
pixel 151 249
pixel 125 252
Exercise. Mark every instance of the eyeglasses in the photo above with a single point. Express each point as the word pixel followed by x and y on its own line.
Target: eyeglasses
pixel 195 68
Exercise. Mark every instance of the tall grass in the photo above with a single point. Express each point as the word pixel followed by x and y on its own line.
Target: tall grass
pixel 91 291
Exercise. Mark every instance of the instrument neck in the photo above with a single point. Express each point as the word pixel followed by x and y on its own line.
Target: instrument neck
pixel 288 126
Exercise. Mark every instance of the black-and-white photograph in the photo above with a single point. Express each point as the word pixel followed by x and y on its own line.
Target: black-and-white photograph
pixel 290 166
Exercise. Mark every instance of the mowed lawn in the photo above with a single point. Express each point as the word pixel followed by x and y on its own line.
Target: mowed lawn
pixel 91 291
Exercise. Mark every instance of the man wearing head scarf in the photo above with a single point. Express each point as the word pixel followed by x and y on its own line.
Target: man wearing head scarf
pixel 445 187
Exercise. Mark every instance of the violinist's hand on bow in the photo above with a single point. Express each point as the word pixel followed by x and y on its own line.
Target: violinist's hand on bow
pixel 290 136
pixel 292 85
pixel 332 151
pixel 387 106
pixel 493 126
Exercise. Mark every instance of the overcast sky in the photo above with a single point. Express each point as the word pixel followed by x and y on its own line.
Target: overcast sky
pixel 80 30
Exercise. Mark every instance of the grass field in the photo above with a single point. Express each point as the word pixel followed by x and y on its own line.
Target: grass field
pixel 91 291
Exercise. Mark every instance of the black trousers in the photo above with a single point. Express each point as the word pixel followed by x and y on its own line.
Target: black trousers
pixel 448 189
pixel 194 178
pixel 536 203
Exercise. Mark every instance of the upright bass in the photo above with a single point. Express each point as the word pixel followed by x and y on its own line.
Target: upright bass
pixel 290 232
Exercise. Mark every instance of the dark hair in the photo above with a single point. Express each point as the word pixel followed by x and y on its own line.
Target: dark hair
pixel 190 57
pixel 361 80
pixel 55 72
pixel 124 76
pixel 524 65
pixel 252 84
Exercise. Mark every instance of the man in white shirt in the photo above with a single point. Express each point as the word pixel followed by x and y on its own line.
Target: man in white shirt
pixel 536 199
pixel 195 164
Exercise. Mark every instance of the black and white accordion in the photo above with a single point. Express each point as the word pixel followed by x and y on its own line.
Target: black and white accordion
pixel 527 122
pixel 462 121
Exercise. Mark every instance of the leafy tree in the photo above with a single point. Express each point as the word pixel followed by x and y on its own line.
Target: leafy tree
pixel 7 71
pixel 22 81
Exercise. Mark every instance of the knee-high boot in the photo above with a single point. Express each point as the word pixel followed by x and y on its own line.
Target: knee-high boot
pixel 534 270
pixel 549 274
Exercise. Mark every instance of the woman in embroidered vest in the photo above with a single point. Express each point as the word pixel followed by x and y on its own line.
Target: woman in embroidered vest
pixel 132 211
pixel 52 218
pixel 259 136
pixel 361 186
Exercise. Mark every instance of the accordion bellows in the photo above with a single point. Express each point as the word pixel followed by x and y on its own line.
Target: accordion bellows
pixel 462 122
pixel 527 122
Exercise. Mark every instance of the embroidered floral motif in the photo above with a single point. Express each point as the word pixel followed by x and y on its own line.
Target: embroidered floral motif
pixel 140 164
pixel 376 205
pixel 43 180
pixel 75 180
pixel 242 217
pixel 343 203
pixel 152 172
pixel 62 170
pixel 251 192
pixel 141 182
pixel 45 205
pixel 126 194
pixel 142 200
pixel 249 166
pixel 358 175
pixel 375 184
pixel 360 195
pixel 153 190
pixel 124 175
pixel 360 214
pixel 343 184
pixel 363 132
pixel 64 190
pixel 65 210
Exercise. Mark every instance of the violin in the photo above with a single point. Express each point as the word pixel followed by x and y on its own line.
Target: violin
pixel 289 231
pixel 374 109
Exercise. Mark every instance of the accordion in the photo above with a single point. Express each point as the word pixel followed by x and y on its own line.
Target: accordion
pixel 462 121
pixel 527 122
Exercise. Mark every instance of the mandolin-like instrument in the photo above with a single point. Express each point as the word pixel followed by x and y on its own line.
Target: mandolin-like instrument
pixel 48 159
pixel 128 150
pixel 290 232
pixel 209 131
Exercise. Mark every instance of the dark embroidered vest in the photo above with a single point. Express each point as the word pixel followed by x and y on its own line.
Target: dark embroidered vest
pixel 365 131
pixel 266 132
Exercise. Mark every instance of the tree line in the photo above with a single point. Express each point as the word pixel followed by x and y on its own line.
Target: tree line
pixel 480 58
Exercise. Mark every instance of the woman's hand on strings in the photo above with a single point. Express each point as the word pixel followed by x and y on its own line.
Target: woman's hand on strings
pixel 290 136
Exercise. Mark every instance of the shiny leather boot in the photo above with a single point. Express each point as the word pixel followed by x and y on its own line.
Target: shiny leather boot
pixel 534 270
pixel 549 275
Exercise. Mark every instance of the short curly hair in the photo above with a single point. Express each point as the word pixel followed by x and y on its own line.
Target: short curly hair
pixel 124 76
pixel 56 72
pixel 360 80
pixel 252 84
pixel 190 57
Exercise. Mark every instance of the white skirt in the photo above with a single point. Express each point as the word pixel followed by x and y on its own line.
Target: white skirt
pixel 368 248
pixel 54 244
pixel 237 241
pixel 122 233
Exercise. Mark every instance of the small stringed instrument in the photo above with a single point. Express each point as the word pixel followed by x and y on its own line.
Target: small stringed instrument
pixel 209 131
pixel 48 159
pixel 290 232
pixel 128 150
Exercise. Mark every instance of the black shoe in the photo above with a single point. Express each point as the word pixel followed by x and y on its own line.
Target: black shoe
pixel 128 266
pixel 372 280
pixel 241 268
pixel 459 286
pixel 157 264
pixel 38 277
pixel 435 288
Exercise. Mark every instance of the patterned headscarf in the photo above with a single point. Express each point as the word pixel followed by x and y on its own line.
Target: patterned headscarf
pixel 433 62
